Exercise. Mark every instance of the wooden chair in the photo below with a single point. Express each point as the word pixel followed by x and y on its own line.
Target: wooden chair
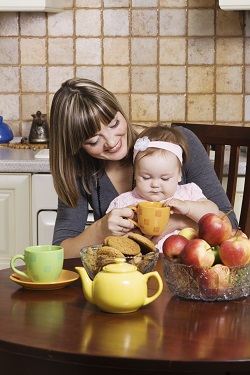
pixel 219 136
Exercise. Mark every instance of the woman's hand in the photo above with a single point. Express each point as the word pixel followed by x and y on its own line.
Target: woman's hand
pixel 116 223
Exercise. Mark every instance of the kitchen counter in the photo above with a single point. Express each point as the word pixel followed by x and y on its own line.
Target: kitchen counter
pixel 23 160
pixel 14 160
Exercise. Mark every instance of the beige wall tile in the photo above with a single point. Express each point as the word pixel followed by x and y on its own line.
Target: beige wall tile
pixel 247 108
pixel 9 106
pixel 116 51
pixel 160 67
pixel 144 79
pixel 143 107
pixel 124 100
pixel 172 79
pixel 8 24
pixel 116 79
pixel 88 4
pixel 32 24
pixel 247 50
pixel 229 79
pixel 200 107
pixel 229 51
pixel 201 51
pixel 201 3
pixel 31 103
pixel 229 23
pixel 60 51
pixel 200 79
pixel 57 75
pixel 33 51
pixel 88 51
pixel 144 22
pixel 172 107
pixel 201 22
pixel 173 22
pixel 93 73
pixel 9 51
pixel 229 108
pixel 10 77
pixel 88 22
pixel 116 3
pixel 144 51
pixel 33 79
pixel 172 51
pixel 115 22
pixel 173 3
pixel 247 79
pixel 61 24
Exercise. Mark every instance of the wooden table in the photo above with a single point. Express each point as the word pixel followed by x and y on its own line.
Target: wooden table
pixel 46 331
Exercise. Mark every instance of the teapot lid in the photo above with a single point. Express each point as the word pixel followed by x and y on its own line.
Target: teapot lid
pixel 119 266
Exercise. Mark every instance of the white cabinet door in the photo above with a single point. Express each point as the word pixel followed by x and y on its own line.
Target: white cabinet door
pixel 15 227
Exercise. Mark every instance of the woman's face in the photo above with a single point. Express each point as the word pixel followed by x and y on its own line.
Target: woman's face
pixel 110 143
pixel 157 177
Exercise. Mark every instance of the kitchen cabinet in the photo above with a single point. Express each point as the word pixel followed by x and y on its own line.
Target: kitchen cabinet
pixel 15 215
pixel 31 5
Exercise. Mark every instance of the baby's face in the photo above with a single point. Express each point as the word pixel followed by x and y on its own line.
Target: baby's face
pixel 157 176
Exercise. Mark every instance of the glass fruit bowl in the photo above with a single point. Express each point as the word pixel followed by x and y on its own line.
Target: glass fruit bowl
pixel 196 283
pixel 93 262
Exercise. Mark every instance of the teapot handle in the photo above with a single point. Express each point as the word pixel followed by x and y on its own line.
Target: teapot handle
pixel 160 286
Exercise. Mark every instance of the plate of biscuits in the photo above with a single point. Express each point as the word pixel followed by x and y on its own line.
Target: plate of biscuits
pixel 137 250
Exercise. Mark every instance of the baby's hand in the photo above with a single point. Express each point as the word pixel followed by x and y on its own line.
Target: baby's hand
pixel 177 206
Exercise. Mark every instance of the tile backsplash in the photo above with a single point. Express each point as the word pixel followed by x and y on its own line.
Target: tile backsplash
pixel 165 60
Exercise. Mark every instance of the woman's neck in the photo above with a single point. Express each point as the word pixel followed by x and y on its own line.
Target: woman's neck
pixel 120 176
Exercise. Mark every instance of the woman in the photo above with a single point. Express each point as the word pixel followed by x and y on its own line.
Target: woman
pixel 91 145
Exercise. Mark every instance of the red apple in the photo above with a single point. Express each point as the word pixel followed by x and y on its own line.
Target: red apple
pixel 173 246
pixel 214 229
pixel 235 251
pixel 214 280
pixel 189 233
pixel 198 252
pixel 238 233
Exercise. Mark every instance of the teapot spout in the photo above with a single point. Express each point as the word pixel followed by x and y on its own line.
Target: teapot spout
pixel 86 284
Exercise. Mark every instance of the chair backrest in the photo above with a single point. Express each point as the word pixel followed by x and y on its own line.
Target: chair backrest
pixel 218 136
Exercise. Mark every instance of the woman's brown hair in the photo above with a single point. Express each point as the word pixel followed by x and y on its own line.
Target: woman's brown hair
pixel 77 111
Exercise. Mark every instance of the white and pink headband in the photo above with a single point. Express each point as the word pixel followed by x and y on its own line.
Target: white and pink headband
pixel 143 143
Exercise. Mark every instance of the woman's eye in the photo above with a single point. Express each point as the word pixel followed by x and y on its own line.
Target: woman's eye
pixel 165 178
pixel 115 124
pixel 92 142
pixel 145 178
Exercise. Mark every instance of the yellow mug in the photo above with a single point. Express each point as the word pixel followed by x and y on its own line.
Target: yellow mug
pixel 152 217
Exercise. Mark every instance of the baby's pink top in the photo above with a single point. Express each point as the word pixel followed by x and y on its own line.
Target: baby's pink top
pixel 190 192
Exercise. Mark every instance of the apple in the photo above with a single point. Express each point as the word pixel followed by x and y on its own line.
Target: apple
pixel 173 246
pixel 238 233
pixel 214 229
pixel 235 251
pixel 214 280
pixel 189 233
pixel 197 252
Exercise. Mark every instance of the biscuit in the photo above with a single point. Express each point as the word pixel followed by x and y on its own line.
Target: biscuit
pixel 145 244
pixel 126 245
pixel 106 255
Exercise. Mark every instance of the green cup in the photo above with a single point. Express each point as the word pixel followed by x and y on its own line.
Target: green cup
pixel 43 263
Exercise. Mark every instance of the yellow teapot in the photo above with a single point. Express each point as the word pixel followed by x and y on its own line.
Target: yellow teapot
pixel 119 287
